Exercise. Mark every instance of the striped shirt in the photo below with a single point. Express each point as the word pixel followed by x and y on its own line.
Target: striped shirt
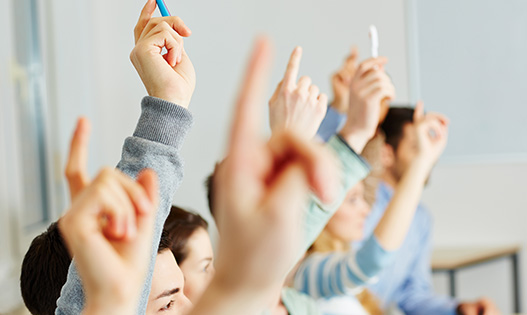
pixel 325 275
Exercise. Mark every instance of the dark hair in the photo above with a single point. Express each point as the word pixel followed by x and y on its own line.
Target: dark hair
pixel 394 123
pixel 164 242
pixel 209 186
pixel 44 271
pixel 180 225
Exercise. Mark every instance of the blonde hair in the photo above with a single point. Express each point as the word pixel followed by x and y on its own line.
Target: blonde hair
pixel 326 242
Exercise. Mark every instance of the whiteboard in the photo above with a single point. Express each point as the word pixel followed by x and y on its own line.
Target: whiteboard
pixel 468 59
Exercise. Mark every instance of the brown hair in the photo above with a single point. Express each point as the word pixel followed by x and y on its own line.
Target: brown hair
pixel 180 225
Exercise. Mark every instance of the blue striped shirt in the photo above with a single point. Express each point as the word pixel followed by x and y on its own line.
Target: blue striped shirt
pixel 341 273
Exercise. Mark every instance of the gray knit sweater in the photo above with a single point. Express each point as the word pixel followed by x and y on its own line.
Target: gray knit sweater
pixel 156 144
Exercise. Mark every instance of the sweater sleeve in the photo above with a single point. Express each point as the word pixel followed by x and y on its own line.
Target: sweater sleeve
pixel 326 275
pixel 155 144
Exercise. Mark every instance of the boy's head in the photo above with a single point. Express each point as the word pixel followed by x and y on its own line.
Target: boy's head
pixel 168 284
pixel 44 271
pixel 400 141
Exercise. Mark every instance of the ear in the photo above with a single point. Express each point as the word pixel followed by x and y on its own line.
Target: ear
pixel 387 156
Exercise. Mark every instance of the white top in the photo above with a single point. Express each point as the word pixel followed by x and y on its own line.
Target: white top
pixel 341 305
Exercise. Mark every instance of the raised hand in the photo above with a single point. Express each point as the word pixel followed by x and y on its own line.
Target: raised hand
pixel 432 134
pixel 170 76
pixel 259 193
pixel 341 81
pixel 108 230
pixel 297 105
pixel 370 87
pixel 483 306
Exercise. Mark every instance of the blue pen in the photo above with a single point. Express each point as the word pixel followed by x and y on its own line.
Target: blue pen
pixel 163 8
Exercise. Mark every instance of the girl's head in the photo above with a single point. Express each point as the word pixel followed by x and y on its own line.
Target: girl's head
pixel 191 245
pixel 346 225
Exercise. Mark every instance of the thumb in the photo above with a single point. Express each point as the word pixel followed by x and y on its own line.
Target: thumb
pixel 148 180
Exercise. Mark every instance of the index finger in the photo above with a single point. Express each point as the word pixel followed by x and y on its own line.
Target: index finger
pixel 75 170
pixel 293 66
pixel 351 61
pixel 419 111
pixel 244 131
pixel 144 18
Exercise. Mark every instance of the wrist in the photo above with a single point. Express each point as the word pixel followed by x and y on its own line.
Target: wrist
pixel 339 105
pixel 356 139
pixel 423 162
pixel 420 169
pixel 183 102
pixel 222 297
pixel 116 308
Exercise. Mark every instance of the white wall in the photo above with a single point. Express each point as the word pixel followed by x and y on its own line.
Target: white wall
pixel 481 203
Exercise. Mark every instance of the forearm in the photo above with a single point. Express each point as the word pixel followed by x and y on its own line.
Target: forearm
pixel 338 273
pixel 394 224
pixel 429 303
pixel 156 143
pixel 220 299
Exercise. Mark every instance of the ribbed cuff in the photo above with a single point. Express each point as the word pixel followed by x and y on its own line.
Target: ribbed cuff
pixel 338 141
pixel 163 122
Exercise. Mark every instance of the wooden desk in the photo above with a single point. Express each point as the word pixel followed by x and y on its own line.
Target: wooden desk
pixel 452 259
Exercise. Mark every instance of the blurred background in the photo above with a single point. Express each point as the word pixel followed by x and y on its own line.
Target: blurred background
pixel 62 59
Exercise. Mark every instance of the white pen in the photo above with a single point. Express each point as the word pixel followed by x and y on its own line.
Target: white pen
pixel 374 38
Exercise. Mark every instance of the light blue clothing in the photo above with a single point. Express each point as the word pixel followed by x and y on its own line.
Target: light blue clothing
pixel 341 273
pixel 298 303
pixel 331 124
pixel 407 282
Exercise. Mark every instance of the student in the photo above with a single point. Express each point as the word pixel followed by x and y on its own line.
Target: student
pixel 406 283
pixel 331 269
pixel 46 262
pixel 160 132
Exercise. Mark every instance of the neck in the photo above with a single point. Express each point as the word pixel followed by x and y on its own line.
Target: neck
pixel 339 245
